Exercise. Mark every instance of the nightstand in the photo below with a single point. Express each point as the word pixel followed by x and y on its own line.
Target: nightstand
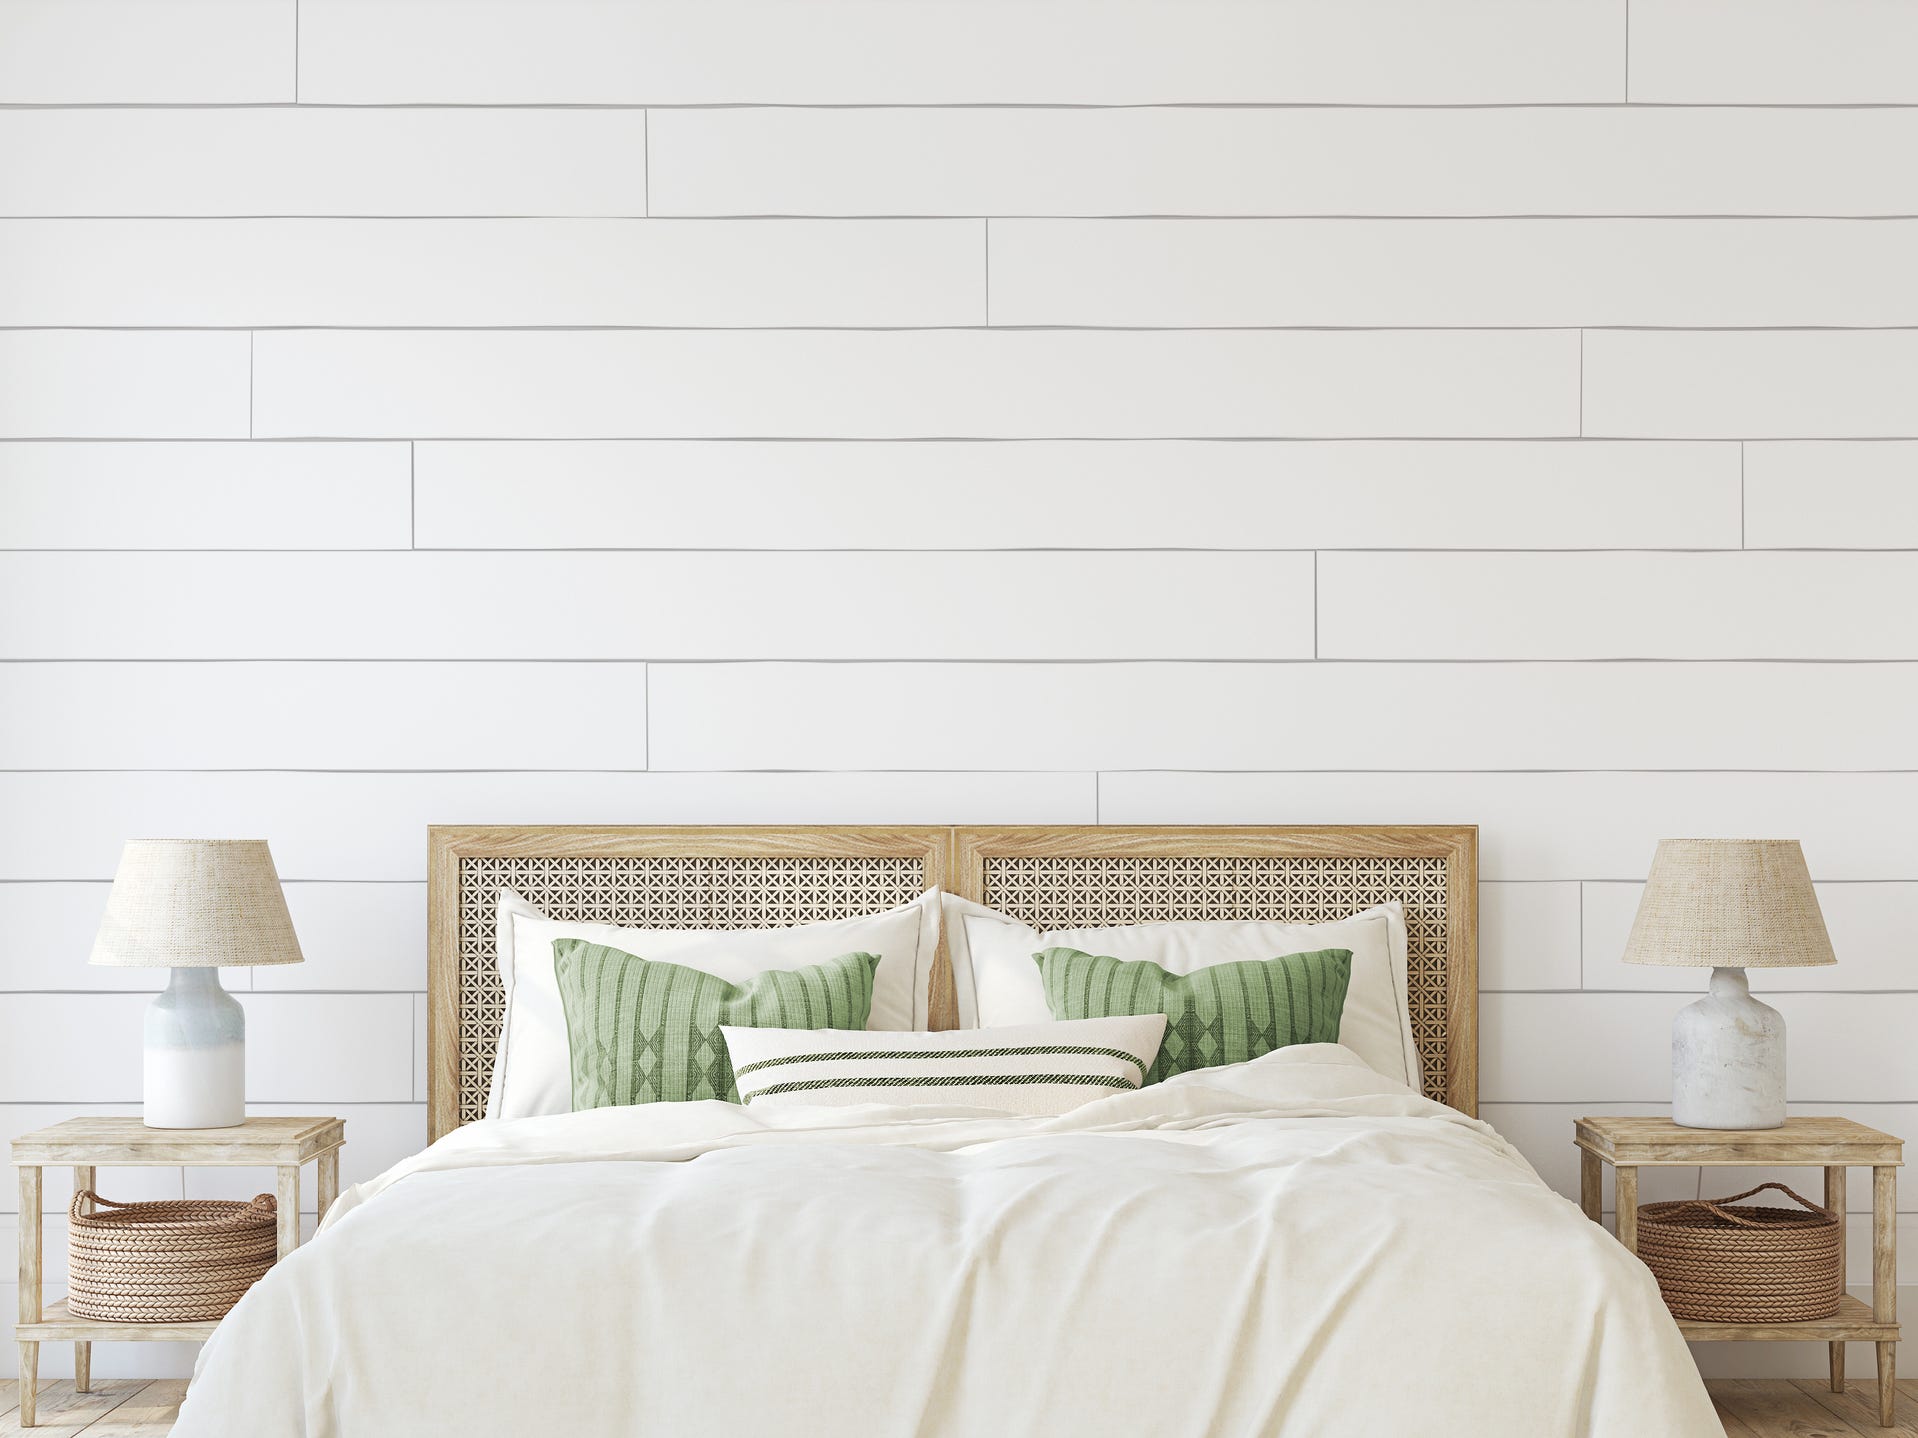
pixel 1833 1144
pixel 84 1144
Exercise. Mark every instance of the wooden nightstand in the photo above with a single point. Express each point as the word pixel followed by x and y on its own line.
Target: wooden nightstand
pixel 1833 1144
pixel 85 1144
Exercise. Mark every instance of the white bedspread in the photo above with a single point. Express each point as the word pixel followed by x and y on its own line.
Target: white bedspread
pixel 1292 1246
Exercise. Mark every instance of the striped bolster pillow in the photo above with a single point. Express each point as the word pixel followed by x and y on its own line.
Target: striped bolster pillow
pixel 1033 1069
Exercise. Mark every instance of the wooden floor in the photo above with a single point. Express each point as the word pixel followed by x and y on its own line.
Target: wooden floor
pixel 117 1408
pixel 1771 1408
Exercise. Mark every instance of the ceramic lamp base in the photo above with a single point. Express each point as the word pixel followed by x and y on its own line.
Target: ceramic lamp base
pixel 1728 1059
pixel 195 1055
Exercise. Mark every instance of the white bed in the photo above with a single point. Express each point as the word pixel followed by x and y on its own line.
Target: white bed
pixel 1290 1246
pixel 1295 1245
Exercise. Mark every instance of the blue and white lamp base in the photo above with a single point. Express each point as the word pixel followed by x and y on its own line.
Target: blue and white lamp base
pixel 1728 1059
pixel 195 1054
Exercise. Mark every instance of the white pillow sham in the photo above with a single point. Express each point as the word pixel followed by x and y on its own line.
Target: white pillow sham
pixel 530 1067
pixel 1033 1069
pixel 998 982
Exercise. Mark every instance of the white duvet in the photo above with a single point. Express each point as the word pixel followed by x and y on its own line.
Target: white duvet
pixel 1291 1246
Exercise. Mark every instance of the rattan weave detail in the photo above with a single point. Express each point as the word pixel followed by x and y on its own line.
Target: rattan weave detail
pixel 1049 892
pixel 1073 892
pixel 649 892
pixel 174 1261
pixel 1716 1263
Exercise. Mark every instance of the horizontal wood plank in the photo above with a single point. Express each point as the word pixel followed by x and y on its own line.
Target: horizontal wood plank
pixel 1543 1132
pixel 136 385
pixel 493 272
pixel 1466 273
pixel 321 161
pixel 1601 1048
pixel 1528 936
pixel 276 715
pixel 628 606
pixel 354 937
pixel 1076 494
pixel 373 826
pixel 1837 494
pixel 1565 825
pixel 1389 161
pixel 147 52
pixel 328 1049
pixel 107 1140
pixel 1853 1321
pixel 1792 384
pixel 923 384
pixel 302 1048
pixel 1801 1138
pixel 1619 606
pixel 187 495
pixel 1773 52
pixel 59 1325
pixel 1290 716
pixel 688 52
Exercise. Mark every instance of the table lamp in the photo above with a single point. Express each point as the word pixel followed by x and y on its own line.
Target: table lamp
pixel 195 906
pixel 1729 905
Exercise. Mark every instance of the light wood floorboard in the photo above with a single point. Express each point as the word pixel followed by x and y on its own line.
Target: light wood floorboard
pixel 63 1412
pixel 1750 1408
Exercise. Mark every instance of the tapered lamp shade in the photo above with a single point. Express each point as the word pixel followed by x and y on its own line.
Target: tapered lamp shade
pixel 1729 904
pixel 195 906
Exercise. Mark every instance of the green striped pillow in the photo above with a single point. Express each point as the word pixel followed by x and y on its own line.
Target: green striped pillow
pixel 1224 1014
pixel 644 1031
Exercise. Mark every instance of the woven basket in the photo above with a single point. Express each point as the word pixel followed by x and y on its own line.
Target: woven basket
pixel 1719 1264
pixel 178 1261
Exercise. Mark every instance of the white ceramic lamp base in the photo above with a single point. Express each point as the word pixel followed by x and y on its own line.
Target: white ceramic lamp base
pixel 1728 1059
pixel 195 1055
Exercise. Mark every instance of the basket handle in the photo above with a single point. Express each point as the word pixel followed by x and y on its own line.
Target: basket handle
pixel 263 1205
pixel 1714 1206
pixel 74 1210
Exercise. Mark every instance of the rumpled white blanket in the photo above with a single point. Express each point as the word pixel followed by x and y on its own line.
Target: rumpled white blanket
pixel 1291 1246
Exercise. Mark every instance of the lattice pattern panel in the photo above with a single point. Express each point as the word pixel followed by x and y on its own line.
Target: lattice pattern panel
pixel 1076 893
pixel 644 892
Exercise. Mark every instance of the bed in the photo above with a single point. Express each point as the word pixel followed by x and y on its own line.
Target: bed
pixel 1291 1245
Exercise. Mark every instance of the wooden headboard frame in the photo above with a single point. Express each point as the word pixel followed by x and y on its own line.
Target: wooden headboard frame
pixel 1052 877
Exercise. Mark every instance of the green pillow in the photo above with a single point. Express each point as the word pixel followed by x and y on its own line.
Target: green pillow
pixel 1224 1014
pixel 643 1031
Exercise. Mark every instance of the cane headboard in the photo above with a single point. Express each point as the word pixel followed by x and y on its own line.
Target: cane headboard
pixel 701 877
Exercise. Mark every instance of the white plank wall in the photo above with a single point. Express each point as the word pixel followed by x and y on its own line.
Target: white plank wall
pixel 967 411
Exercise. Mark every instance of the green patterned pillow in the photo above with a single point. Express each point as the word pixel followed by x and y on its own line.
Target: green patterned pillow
pixel 644 1031
pixel 1224 1014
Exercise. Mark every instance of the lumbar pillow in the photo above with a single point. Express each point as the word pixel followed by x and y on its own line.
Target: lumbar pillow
pixel 1224 1014
pixel 997 984
pixel 1036 1068
pixel 645 1031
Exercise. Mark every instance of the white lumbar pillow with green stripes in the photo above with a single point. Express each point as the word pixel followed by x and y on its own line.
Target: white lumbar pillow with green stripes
pixel 1034 1068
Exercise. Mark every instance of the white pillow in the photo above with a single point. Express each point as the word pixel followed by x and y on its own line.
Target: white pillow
pixel 1036 1069
pixel 530 1068
pixel 998 982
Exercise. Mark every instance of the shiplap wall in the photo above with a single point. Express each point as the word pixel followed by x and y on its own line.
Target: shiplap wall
pixel 966 410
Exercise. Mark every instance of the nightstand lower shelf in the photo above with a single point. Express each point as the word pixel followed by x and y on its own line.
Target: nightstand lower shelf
pixel 57 1325
pixel 1852 1323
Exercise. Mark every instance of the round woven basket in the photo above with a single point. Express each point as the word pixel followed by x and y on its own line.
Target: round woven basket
pixel 1719 1264
pixel 177 1261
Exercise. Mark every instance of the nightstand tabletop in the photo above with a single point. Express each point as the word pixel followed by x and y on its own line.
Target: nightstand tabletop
pixel 127 1142
pixel 1816 1141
